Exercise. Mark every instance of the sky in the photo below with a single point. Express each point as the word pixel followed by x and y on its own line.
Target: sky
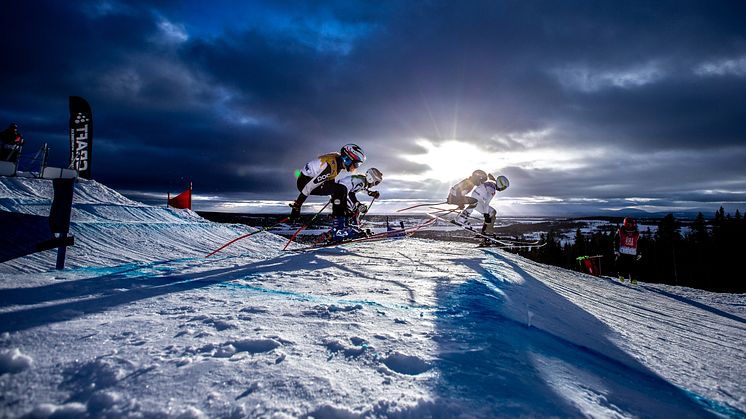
pixel 586 106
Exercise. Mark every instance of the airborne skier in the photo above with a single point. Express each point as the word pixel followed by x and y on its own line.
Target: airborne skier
pixel 458 194
pixel 317 178
pixel 484 194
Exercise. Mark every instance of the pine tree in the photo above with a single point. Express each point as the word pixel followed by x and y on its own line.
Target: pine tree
pixel 666 245
pixel 699 231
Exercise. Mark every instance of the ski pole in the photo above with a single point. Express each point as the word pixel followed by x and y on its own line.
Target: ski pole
pixel 369 205
pixel 421 205
pixel 308 224
pixel 247 235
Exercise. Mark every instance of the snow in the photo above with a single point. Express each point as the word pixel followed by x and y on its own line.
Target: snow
pixel 142 325
pixel 13 361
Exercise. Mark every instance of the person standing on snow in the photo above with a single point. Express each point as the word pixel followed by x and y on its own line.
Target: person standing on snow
pixel 626 253
pixel 347 226
pixel 484 194
pixel 317 178
pixel 11 142
pixel 458 194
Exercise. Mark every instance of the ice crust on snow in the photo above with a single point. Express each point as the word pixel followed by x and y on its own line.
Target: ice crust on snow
pixel 142 325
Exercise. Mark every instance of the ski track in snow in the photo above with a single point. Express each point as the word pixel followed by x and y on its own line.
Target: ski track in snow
pixel 142 325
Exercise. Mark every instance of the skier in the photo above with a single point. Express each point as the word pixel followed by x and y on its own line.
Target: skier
pixel 346 221
pixel 484 194
pixel 626 253
pixel 11 143
pixel 458 194
pixel 317 178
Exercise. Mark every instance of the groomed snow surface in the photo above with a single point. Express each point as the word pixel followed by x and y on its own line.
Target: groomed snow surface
pixel 140 324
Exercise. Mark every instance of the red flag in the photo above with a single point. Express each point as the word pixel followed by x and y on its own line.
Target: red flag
pixel 182 200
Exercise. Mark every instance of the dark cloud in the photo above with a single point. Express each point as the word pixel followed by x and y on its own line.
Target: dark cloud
pixel 235 97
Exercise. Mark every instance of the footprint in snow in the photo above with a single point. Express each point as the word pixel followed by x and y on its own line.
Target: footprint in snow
pixel 406 364
pixel 230 348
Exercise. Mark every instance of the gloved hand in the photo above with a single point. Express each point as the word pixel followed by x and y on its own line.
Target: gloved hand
pixel 361 208
pixel 295 211
pixel 639 256
pixel 374 194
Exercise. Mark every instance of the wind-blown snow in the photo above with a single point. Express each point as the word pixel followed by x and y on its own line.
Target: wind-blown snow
pixel 142 325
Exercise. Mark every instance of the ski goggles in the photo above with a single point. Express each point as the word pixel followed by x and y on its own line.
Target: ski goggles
pixel 349 163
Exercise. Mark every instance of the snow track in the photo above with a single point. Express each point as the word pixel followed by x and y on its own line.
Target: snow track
pixel 142 325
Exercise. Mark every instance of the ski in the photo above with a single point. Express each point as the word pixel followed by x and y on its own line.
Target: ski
pixel 306 225
pixel 247 235
pixel 391 234
pixel 499 242
pixel 511 246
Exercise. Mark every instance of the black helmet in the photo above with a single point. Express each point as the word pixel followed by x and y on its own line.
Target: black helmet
pixel 478 177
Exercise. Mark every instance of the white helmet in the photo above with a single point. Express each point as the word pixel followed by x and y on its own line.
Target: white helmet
pixel 502 183
pixel 373 176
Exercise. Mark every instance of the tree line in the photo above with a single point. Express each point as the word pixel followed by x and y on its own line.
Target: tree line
pixel 707 256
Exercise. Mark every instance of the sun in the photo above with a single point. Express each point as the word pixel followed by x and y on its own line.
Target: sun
pixel 452 160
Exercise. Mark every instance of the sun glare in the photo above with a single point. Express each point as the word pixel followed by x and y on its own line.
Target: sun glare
pixel 453 160
pixel 450 160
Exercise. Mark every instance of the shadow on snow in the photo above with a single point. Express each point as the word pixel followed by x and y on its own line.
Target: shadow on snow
pixel 499 356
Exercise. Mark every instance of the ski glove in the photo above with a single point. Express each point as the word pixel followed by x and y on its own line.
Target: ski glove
pixel 361 208
pixel 374 194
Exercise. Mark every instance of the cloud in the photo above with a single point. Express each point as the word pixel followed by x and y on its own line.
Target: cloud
pixel 582 101
pixel 722 67
pixel 588 80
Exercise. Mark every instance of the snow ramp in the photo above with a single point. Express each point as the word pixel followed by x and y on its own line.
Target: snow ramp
pixel 111 229
pixel 402 328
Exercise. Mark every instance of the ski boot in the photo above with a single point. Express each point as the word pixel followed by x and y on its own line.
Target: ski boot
pixel 341 231
pixel 462 219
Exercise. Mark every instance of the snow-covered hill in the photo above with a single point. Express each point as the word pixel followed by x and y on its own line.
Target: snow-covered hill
pixel 111 229
pixel 143 326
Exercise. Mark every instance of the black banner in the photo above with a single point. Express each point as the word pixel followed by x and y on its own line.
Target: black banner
pixel 81 136
pixel 59 214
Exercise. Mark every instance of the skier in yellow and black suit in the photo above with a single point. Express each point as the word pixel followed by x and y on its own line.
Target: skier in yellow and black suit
pixel 460 191
pixel 317 178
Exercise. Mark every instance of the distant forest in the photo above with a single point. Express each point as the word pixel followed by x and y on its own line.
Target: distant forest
pixel 707 257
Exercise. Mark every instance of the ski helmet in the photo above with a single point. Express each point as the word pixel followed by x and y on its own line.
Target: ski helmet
pixel 478 177
pixel 373 176
pixel 502 183
pixel 352 156
pixel 629 223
